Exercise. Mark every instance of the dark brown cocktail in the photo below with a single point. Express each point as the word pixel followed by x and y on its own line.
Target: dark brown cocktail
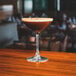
pixel 37 25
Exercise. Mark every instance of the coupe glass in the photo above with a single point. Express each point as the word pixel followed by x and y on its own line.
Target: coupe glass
pixel 37 25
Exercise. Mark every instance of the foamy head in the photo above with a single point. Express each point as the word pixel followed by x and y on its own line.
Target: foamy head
pixel 37 19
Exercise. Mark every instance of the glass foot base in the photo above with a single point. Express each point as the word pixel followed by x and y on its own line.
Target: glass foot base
pixel 35 59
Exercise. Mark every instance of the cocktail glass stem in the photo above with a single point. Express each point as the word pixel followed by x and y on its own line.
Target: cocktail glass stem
pixel 37 57
pixel 37 54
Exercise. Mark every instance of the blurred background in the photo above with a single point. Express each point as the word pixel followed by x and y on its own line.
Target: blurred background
pixel 58 36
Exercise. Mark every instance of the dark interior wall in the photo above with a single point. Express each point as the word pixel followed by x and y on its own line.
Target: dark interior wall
pixel 13 2
pixel 51 7
pixel 47 6
pixel 69 7
pixel 40 5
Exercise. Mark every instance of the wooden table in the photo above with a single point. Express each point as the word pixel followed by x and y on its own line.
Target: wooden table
pixel 13 63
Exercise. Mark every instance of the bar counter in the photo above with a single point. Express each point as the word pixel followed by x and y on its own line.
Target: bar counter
pixel 13 63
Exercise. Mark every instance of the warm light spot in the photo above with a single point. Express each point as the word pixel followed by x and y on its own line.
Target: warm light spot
pixel 32 39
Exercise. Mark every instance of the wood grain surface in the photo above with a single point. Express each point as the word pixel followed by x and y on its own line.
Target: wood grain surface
pixel 13 63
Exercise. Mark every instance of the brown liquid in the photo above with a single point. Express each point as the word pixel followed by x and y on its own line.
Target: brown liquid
pixel 37 26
